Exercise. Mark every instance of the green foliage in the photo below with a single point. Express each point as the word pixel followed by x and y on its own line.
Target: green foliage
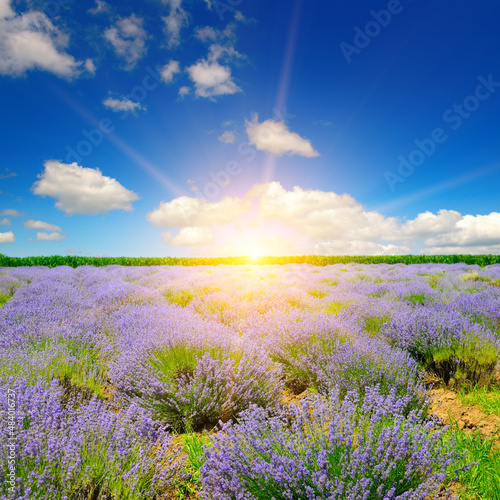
pixel 315 260
pixel 192 447
pixel 181 298
pixel 474 277
pixel 487 398
pixel 469 363
pixel 336 307
pixel 180 360
pixel 4 299
pixel 78 365
pixel 481 480
pixel 373 324
pixel 415 298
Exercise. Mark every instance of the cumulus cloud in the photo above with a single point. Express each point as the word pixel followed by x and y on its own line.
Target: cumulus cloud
pixel 227 138
pixel 30 41
pixel 122 104
pixel 272 220
pixel 169 71
pixel 38 224
pixel 128 39
pixel 5 222
pixel 212 75
pixel 212 79
pixel 174 22
pixel 90 66
pixel 189 236
pixel 469 231
pixel 10 212
pixel 7 237
pixel 50 237
pixel 274 137
pixel 196 212
pixel 80 190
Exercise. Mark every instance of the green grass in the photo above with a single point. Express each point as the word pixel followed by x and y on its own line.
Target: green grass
pixel 482 480
pixel 4 299
pixel 193 448
pixel 487 398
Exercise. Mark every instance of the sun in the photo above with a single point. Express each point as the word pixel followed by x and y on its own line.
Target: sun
pixel 255 253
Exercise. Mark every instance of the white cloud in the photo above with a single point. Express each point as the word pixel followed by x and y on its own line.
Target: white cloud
pixel 50 237
pixel 30 41
pixel 359 248
pixel 38 224
pixel 10 212
pixel 240 17
pixel 272 220
pixel 189 236
pixel 6 9
pixel 90 66
pixel 80 190
pixel 174 22
pixel 7 237
pixel 100 7
pixel 123 104
pixel 227 138
pixel 274 137
pixel 5 222
pixel 169 71
pixel 183 91
pixel 195 212
pixel 128 38
pixel 206 34
pixel 212 79
pixel 469 231
pixel 427 224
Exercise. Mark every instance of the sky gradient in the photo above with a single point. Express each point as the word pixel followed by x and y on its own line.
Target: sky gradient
pixel 249 127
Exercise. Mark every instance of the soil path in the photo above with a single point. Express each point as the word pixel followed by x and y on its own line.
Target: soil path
pixel 449 408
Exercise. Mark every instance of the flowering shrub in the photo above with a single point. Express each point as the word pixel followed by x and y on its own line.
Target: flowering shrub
pixel 323 449
pixel 448 343
pixel 187 370
pixel 87 451
pixel 185 386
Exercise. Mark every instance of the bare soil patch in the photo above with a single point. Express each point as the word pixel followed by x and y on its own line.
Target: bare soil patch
pixel 448 407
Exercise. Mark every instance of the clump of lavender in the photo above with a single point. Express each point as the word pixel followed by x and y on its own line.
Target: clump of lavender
pixel 190 386
pixel 328 449
pixel 446 342
pixel 366 362
pixel 79 451
pixel 327 353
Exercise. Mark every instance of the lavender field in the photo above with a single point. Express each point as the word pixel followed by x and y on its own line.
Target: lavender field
pixel 241 382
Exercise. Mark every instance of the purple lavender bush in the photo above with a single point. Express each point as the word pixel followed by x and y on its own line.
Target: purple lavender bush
pixel 324 449
pixel 326 353
pixel 186 370
pixel 78 451
pixel 446 342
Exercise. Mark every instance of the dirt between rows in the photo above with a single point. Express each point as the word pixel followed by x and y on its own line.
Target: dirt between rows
pixel 448 407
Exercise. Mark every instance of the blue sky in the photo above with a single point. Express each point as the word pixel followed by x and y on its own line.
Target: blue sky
pixel 230 127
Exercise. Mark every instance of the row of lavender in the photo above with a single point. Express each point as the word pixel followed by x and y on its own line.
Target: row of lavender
pixel 108 364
